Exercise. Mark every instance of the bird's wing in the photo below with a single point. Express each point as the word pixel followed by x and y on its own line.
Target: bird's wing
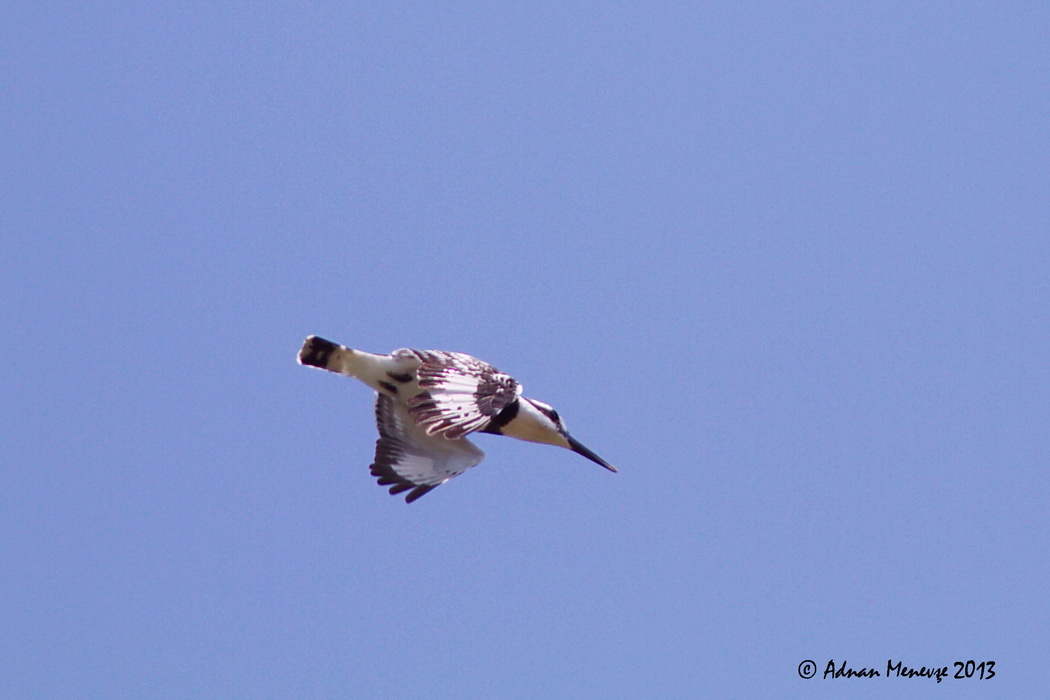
pixel 460 394
pixel 407 457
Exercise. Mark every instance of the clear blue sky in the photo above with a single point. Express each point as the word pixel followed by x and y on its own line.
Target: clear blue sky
pixel 785 264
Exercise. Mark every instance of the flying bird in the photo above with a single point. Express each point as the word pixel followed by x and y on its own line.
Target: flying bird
pixel 428 401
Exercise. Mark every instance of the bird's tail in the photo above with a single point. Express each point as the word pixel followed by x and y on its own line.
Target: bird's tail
pixel 324 354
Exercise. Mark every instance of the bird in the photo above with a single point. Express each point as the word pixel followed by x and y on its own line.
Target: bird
pixel 428 401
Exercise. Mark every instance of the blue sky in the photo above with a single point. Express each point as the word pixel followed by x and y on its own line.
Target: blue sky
pixel 785 264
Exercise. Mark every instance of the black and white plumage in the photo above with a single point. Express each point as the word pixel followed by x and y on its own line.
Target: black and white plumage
pixel 427 401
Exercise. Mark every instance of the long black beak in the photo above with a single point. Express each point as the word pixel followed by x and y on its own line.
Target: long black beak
pixel 577 447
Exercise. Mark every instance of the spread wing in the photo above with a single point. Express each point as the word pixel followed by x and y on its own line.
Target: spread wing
pixel 407 457
pixel 460 393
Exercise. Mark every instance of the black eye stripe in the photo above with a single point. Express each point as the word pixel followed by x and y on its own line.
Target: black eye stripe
pixel 546 410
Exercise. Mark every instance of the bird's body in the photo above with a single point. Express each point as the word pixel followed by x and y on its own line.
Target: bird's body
pixel 427 401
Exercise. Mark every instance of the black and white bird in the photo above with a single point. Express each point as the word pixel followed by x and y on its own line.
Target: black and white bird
pixel 427 401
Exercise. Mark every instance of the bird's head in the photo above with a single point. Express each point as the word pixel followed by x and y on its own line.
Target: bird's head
pixel 539 422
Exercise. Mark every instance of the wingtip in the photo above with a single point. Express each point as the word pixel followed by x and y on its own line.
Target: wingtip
pixel 419 492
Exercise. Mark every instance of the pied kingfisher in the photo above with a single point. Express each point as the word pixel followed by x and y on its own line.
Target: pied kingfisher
pixel 428 400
